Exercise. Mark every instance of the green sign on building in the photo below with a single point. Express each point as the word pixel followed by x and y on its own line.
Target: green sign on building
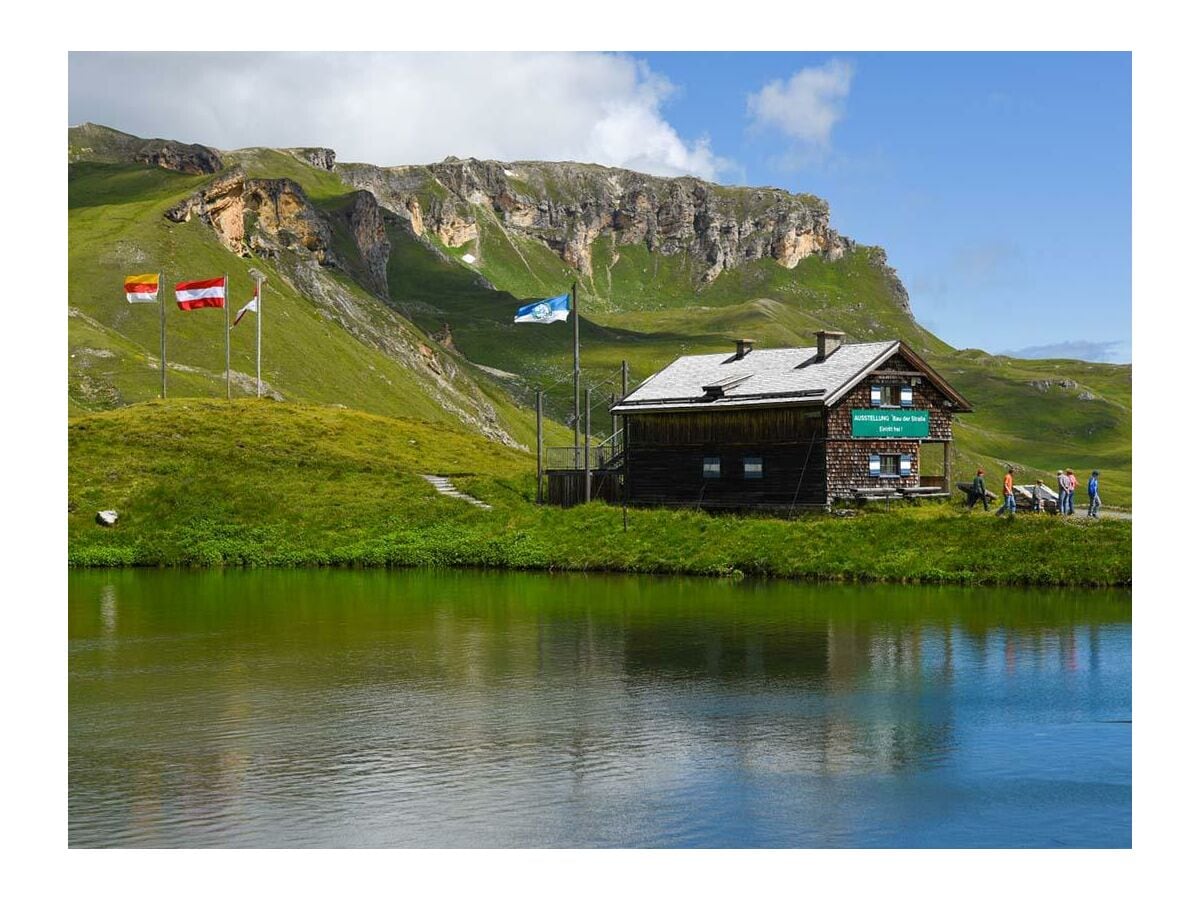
pixel 889 423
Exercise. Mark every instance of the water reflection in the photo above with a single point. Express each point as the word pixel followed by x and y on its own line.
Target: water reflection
pixel 482 709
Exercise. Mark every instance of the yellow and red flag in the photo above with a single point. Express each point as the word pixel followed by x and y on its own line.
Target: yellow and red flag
pixel 141 288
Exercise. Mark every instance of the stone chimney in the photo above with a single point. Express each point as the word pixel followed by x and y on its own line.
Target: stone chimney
pixel 744 346
pixel 827 342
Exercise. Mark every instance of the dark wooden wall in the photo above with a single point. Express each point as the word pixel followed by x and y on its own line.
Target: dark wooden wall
pixel 565 487
pixel 666 453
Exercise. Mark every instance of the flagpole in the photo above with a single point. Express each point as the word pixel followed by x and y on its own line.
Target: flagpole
pixel 225 291
pixel 258 336
pixel 162 333
pixel 575 319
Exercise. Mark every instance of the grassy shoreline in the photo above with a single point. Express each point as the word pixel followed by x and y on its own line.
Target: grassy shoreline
pixel 256 483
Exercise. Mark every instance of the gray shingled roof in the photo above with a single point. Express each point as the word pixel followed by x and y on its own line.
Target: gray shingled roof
pixel 774 376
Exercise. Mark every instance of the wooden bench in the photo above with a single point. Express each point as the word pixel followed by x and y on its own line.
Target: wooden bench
pixel 872 494
pixel 924 492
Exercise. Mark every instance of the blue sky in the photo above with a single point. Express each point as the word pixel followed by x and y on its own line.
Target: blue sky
pixel 999 184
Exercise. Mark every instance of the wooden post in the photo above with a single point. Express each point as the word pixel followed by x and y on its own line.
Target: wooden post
pixel 539 445
pixel 625 488
pixel 587 446
pixel 624 449
pixel 946 466
pixel 624 394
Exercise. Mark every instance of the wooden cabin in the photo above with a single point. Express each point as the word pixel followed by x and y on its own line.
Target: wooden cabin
pixel 789 428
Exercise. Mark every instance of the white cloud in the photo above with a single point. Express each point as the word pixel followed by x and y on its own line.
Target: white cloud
pixel 395 108
pixel 807 105
pixel 1092 351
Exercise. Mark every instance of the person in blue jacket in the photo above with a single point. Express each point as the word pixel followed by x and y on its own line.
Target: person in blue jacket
pixel 1094 494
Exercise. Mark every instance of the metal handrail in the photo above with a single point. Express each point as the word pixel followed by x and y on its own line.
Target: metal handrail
pixel 571 458
pixel 612 437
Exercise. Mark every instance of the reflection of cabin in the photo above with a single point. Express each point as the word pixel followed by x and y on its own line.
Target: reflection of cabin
pixel 787 428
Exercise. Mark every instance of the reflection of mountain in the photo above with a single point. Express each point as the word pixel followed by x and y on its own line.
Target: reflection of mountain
pixel 726 651
pixel 473 707
pixel 803 696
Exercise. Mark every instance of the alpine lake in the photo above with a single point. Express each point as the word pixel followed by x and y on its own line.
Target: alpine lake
pixel 433 708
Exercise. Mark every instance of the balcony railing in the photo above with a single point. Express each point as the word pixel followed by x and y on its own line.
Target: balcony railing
pixel 603 455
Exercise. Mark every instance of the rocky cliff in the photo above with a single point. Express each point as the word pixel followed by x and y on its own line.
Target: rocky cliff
pixel 568 206
pixel 98 143
pixel 253 215
pixel 273 218
pixel 265 216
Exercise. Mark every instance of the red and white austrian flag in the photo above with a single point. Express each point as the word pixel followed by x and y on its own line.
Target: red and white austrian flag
pixel 199 294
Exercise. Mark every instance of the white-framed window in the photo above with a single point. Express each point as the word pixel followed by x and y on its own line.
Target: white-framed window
pixel 891 395
pixel 712 467
pixel 752 467
pixel 890 465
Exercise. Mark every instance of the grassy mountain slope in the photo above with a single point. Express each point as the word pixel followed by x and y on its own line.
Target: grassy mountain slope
pixel 117 227
pixel 643 307
pixel 1024 415
pixel 206 482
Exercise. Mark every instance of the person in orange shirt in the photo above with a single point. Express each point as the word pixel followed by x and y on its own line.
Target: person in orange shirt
pixel 1010 498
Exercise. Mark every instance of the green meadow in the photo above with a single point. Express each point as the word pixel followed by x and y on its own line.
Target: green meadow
pixel 262 483
pixel 367 400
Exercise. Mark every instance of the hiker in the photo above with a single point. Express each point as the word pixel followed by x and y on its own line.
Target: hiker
pixel 1071 493
pixel 1038 503
pixel 1094 494
pixel 978 491
pixel 1064 488
pixel 1010 497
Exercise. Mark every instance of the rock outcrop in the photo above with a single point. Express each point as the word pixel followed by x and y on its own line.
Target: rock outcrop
pixel 259 215
pixel 878 258
pixel 192 159
pixel 569 206
pixel 99 143
pixel 274 218
pixel 317 157
pixel 265 216
pixel 365 221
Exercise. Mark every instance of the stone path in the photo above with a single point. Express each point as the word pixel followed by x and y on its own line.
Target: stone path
pixel 1082 516
pixel 446 488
